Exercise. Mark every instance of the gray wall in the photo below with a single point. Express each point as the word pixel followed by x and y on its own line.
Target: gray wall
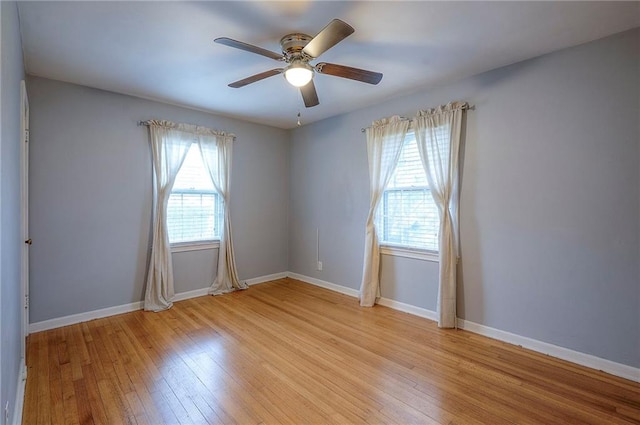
pixel 90 194
pixel 10 218
pixel 550 200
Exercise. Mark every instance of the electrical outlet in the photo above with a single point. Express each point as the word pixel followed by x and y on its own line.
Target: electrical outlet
pixel 319 266
pixel 6 413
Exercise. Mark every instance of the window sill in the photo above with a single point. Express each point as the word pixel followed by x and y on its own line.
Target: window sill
pixel 194 246
pixel 416 254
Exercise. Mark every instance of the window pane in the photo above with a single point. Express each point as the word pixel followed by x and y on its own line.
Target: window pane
pixel 194 211
pixel 441 136
pixel 193 174
pixel 408 216
pixel 409 172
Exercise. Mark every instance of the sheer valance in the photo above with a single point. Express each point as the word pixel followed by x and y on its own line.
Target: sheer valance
pixel 431 111
pixel 194 129
pixel 442 109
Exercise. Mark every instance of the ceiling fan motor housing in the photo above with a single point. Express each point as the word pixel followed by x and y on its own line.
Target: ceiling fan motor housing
pixel 292 45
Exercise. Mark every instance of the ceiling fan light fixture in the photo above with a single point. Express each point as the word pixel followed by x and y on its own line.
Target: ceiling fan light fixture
pixel 298 74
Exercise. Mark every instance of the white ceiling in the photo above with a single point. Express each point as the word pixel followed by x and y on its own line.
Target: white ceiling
pixel 165 50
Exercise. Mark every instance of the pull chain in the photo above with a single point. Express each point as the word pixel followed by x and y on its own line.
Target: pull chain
pixel 299 123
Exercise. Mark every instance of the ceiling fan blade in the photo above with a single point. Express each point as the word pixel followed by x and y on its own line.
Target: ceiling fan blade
pixel 309 94
pixel 249 48
pixel 330 35
pixel 349 72
pixel 257 77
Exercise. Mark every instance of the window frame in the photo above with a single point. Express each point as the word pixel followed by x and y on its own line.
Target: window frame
pixel 401 250
pixel 406 252
pixel 194 246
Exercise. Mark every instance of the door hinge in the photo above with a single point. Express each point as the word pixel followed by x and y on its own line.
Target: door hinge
pixel 26 302
pixel 26 136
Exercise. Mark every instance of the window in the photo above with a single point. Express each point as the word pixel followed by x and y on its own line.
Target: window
pixel 408 216
pixel 195 210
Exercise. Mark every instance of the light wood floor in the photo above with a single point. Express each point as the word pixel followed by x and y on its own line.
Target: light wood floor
pixel 288 352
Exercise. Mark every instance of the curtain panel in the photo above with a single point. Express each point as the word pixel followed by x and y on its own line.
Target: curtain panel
pixel 384 143
pixel 169 147
pixel 437 133
pixel 170 143
pixel 216 151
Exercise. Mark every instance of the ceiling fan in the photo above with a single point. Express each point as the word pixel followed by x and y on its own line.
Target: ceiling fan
pixel 297 51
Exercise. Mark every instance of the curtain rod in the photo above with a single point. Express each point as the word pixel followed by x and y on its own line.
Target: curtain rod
pixel 471 107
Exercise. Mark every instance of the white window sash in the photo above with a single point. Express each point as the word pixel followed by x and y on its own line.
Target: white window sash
pixel 384 219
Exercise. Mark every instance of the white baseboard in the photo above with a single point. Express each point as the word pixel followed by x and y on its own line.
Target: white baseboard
pixel 396 305
pixel 266 278
pixel 205 291
pixel 588 360
pixel 20 387
pixel 126 308
pixel 190 294
pixel 83 317
pixel 408 308
pixel 323 284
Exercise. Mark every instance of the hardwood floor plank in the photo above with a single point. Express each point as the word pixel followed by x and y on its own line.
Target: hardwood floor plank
pixel 83 405
pixel 43 382
pixel 78 353
pixel 98 413
pixel 29 416
pixel 69 403
pixel 286 352
pixel 55 378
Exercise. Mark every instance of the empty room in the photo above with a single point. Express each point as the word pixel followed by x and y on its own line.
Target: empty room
pixel 319 212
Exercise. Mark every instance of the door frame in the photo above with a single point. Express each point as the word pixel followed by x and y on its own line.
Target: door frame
pixel 24 207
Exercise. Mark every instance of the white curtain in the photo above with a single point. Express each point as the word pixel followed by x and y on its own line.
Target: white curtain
pixel 216 149
pixel 438 135
pixel 384 144
pixel 169 147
